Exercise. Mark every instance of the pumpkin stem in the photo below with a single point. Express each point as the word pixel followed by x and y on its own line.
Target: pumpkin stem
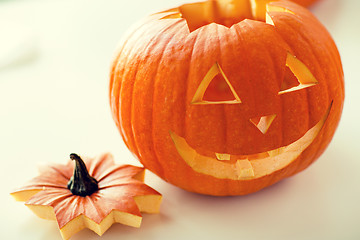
pixel 81 183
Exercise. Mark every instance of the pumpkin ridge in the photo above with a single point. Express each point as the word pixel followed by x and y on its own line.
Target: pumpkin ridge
pixel 278 102
pixel 112 91
pixel 191 64
pixel 298 164
pixel 194 38
pixel 122 45
pixel 187 83
pixel 288 49
pixel 130 140
pixel 314 56
pixel 112 185
pixel 317 72
pixel 239 31
pixel 114 71
pixel 62 206
pixel 317 57
pixel 114 169
pixel 98 209
pixel 40 197
pixel 141 190
pixel 242 34
pixel 160 167
pixel 58 171
pixel 308 41
pixel 95 165
pixel 151 45
pixel 41 187
pixel 225 110
pixel 223 119
pixel 196 124
pixel 43 181
pixel 122 182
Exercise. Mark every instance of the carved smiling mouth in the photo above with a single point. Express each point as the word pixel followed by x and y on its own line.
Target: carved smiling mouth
pixel 249 166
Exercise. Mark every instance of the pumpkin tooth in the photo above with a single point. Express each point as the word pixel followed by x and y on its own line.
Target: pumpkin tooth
pixel 222 156
pixel 244 169
pixel 276 152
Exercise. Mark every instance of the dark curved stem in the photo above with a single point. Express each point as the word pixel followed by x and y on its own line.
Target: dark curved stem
pixel 81 183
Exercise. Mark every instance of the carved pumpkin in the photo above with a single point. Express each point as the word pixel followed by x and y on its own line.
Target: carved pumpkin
pixel 305 2
pixel 79 199
pixel 226 99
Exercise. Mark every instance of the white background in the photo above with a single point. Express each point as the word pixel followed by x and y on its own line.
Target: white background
pixel 54 64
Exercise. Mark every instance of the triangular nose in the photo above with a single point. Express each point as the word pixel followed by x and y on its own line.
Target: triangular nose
pixel 263 123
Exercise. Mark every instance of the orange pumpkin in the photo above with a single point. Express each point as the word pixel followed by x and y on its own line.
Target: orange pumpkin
pixel 77 198
pixel 226 99
pixel 305 3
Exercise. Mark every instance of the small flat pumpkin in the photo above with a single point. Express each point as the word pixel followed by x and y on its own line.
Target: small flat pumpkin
pixel 96 198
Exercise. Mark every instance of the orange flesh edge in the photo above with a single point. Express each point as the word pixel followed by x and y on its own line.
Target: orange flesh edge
pixel 245 169
pixel 224 12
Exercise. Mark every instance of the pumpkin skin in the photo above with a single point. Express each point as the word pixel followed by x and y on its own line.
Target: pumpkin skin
pixel 161 63
pixel 120 198
pixel 305 3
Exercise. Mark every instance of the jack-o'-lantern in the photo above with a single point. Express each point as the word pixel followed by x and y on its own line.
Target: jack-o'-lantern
pixel 227 97
pixel 305 2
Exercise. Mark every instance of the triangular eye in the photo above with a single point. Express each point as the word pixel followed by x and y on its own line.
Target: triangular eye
pixel 297 76
pixel 215 88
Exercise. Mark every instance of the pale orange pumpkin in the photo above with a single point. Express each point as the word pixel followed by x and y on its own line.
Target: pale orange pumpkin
pixel 305 3
pixel 77 198
pixel 226 99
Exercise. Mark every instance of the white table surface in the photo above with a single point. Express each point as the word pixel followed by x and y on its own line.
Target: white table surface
pixel 54 101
